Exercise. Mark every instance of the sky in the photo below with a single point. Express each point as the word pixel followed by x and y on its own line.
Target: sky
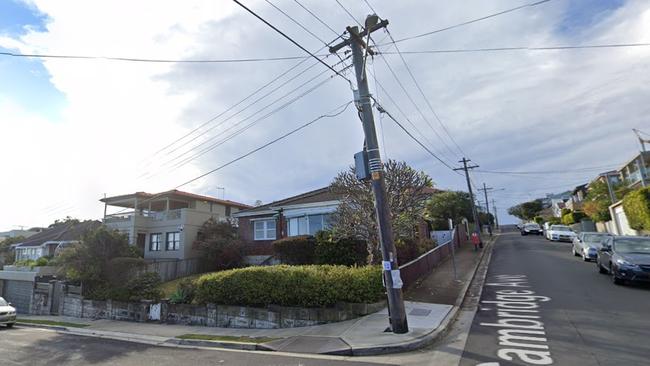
pixel 73 130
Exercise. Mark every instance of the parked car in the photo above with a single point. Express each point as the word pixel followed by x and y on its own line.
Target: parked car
pixel 586 244
pixel 625 258
pixel 531 228
pixel 560 233
pixel 7 313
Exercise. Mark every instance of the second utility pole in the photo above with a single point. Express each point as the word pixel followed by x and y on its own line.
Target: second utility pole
pixel 487 206
pixel 471 194
pixel 392 280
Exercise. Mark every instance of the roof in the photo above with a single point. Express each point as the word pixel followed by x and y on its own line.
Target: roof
pixel 65 231
pixel 324 194
pixel 318 195
pixel 174 193
pixel 646 156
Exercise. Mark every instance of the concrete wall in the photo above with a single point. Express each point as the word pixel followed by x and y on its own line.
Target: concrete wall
pixel 212 315
pixel 19 293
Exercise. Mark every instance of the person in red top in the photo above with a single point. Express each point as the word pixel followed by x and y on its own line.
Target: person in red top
pixel 476 241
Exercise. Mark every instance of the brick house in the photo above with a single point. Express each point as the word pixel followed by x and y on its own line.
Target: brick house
pixel 303 214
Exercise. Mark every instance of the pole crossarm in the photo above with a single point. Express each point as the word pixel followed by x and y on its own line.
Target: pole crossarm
pixel 358 36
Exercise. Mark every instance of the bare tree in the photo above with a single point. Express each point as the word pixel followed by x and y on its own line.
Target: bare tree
pixel 407 191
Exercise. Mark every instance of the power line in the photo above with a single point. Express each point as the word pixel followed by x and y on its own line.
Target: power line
pixel 290 39
pixel 151 60
pixel 522 48
pixel 383 110
pixel 349 13
pixel 296 22
pixel 410 98
pixel 240 131
pixel 329 115
pixel 177 164
pixel 575 170
pixel 473 20
pixel 317 17
pixel 408 69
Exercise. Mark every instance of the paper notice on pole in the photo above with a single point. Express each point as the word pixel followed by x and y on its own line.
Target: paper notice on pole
pixel 397 279
pixel 386 265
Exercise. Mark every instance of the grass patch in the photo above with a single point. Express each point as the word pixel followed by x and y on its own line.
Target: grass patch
pixel 209 337
pixel 169 287
pixel 51 322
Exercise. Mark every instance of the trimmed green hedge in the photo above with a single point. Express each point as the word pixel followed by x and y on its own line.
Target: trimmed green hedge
pixel 295 249
pixel 305 286
pixel 636 205
pixel 343 251
pixel 572 217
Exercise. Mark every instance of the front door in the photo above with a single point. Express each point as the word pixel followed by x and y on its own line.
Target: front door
pixel 141 241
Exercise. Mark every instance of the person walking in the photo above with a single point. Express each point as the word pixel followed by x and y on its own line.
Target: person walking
pixel 476 241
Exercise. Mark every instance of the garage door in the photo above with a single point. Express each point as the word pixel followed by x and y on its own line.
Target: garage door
pixel 19 293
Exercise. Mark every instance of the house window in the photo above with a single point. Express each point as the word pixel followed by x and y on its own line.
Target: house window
pixel 154 242
pixel 307 225
pixel 173 240
pixel 264 229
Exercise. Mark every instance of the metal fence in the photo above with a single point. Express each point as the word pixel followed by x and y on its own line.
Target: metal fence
pixel 171 269
pixel 424 264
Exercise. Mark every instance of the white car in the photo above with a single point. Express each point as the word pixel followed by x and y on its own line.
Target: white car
pixel 7 313
pixel 586 244
pixel 560 233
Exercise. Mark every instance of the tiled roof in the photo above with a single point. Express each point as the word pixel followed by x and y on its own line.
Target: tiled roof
pixel 175 192
pixel 61 232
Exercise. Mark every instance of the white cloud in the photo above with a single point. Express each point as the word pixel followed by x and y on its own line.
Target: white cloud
pixel 508 110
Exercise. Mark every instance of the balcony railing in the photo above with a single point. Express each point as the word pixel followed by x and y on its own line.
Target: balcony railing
pixel 125 217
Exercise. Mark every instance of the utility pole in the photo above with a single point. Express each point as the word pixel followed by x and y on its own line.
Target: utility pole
pixel 496 218
pixel 487 206
pixel 641 162
pixel 392 280
pixel 471 194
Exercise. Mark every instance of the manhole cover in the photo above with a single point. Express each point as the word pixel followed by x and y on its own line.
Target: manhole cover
pixel 420 312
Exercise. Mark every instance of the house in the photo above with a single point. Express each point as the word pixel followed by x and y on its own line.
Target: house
pixel 577 196
pixel 16 233
pixel 303 214
pixel 633 171
pixel 165 225
pixel 58 235
pixel 17 282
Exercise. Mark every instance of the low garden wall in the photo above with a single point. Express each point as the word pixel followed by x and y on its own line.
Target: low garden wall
pixel 211 315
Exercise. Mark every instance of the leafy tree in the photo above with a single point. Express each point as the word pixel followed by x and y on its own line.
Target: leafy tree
pixel 572 217
pixel 66 220
pixel 355 216
pixel 527 210
pixel 106 266
pixel 486 218
pixel 221 243
pixel 8 255
pixel 554 220
pixel 538 219
pixel 597 201
pixel 637 209
pixel 448 205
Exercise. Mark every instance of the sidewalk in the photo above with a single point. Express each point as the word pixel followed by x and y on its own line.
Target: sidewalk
pixel 431 305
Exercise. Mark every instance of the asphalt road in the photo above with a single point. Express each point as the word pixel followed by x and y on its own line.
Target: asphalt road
pixel 35 347
pixel 540 305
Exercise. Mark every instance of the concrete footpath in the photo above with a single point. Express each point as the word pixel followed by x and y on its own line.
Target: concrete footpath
pixel 431 306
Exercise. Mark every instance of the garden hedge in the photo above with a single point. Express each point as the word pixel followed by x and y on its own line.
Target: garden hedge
pixel 636 205
pixel 295 249
pixel 304 286
pixel 343 251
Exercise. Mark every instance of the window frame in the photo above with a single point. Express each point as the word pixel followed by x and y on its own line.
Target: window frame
pixel 158 242
pixel 176 244
pixel 266 228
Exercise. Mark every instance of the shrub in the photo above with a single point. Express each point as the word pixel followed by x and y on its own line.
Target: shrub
pixel 185 292
pixel 410 248
pixel 295 249
pixel 146 286
pixel 343 251
pixel 41 262
pixel 572 217
pixel 636 205
pixel 539 220
pixel 554 221
pixel 220 242
pixel 307 286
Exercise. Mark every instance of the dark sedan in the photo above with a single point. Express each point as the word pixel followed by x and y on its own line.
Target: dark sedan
pixel 625 258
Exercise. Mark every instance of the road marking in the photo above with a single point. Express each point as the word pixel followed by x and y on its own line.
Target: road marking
pixel 517 311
